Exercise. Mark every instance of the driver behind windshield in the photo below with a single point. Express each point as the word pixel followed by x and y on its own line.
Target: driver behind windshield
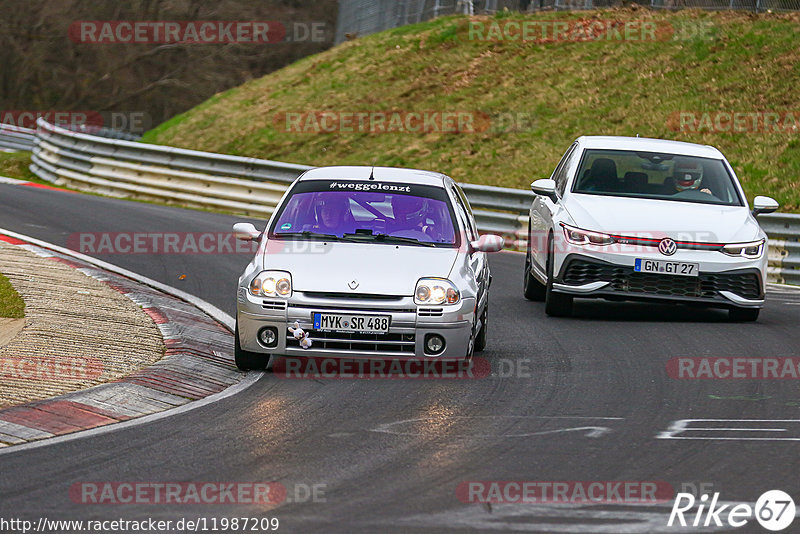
pixel 687 175
pixel 333 215
pixel 409 214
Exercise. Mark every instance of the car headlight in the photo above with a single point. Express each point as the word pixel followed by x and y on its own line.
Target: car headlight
pixel 271 284
pixel 576 236
pixel 435 291
pixel 751 250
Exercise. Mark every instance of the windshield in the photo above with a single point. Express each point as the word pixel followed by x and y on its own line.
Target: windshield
pixel 662 176
pixel 345 211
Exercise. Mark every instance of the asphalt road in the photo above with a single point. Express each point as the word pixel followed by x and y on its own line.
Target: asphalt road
pixel 580 399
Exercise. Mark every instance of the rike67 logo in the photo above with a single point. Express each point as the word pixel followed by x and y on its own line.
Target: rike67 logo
pixel 774 511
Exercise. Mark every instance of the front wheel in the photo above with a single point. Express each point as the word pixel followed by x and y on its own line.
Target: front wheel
pixel 533 288
pixel 246 360
pixel 480 339
pixel 743 315
pixel 555 304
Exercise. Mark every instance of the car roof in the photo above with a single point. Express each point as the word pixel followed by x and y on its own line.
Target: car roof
pixel 645 144
pixel 383 174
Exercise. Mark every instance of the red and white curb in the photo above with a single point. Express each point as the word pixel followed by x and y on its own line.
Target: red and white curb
pixel 198 364
pixel 14 181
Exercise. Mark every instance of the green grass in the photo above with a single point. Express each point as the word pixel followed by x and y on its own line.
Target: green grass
pixel 700 62
pixel 11 304
pixel 15 165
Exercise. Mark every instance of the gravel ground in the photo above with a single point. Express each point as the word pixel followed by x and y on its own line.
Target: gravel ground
pixel 78 331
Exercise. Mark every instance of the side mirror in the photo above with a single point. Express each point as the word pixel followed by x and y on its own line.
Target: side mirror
pixel 764 205
pixel 546 188
pixel 488 243
pixel 245 231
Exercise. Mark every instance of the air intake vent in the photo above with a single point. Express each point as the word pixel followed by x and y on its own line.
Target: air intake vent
pixel 430 312
pixel 746 284
pixel 274 304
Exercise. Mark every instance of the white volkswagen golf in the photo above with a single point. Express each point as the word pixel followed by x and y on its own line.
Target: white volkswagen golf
pixel 645 219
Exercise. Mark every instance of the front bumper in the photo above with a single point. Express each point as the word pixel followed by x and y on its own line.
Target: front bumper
pixel 741 284
pixel 408 327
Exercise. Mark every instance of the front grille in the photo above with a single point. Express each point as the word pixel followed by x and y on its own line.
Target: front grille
pixel 358 342
pixel 626 280
pixel 273 304
pixel 353 307
pixel 430 312
pixel 349 296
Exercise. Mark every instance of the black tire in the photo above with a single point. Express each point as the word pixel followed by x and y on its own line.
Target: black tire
pixel 533 288
pixel 555 304
pixel 480 339
pixel 246 360
pixel 743 315
pixel 471 344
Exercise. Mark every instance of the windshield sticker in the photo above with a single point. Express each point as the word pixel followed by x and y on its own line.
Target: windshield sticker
pixel 286 226
pixel 359 186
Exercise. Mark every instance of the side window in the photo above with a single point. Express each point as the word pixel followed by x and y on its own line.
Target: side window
pixel 561 175
pixel 467 210
pixel 561 163
pixel 464 213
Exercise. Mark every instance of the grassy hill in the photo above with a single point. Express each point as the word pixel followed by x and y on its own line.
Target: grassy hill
pixel 617 82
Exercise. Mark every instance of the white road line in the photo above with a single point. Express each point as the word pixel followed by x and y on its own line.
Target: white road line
pixel 589 431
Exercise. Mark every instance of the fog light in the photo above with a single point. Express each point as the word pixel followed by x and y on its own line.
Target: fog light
pixel 268 336
pixel 434 344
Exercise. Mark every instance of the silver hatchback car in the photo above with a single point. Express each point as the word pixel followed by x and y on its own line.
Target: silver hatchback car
pixel 365 262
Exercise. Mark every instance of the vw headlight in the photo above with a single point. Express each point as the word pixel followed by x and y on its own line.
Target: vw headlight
pixel 271 284
pixel 751 250
pixel 435 291
pixel 577 236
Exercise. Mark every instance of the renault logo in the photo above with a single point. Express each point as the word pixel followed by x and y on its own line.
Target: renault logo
pixel 352 284
pixel 667 247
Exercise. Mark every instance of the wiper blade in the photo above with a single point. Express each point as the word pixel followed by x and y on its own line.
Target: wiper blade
pixel 386 238
pixel 314 235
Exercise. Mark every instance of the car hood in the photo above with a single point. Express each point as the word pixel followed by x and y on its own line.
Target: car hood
pixel 685 221
pixel 379 269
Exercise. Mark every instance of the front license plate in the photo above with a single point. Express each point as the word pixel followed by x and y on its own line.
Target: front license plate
pixel 666 267
pixel 361 324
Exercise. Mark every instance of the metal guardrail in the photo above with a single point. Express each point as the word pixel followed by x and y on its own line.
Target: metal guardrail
pixel 783 230
pixel 16 137
pixel 253 186
pixel 166 174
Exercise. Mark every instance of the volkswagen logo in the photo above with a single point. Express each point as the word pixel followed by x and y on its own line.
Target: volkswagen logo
pixel 667 247
pixel 353 284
